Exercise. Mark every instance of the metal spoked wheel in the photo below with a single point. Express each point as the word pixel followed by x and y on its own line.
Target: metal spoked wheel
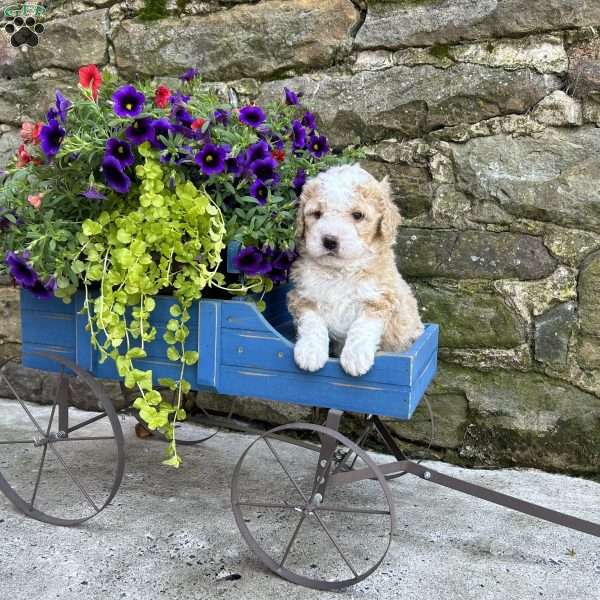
pixel 58 464
pixel 298 520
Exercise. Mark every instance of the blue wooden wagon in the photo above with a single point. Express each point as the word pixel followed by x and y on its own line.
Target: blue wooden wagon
pixel 334 501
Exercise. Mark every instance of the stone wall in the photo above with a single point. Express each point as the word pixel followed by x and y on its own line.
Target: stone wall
pixel 484 113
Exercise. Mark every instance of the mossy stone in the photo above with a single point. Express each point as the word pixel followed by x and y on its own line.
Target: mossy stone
pixel 589 295
pixel 469 319
pixel 153 10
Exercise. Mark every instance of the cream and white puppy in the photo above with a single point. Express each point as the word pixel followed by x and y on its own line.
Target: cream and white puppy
pixel 346 284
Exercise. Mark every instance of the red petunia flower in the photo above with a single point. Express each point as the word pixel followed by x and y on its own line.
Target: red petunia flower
pixel 27 132
pixel 90 76
pixel 35 200
pixel 161 96
pixel 197 124
pixel 37 129
pixel 23 156
pixel 278 155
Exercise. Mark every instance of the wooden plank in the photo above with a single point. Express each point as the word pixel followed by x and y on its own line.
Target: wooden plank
pixel 422 383
pixel 242 315
pixel 29 358
pixel 43 328
pixel 422 349
pixel 269 350
pixel 209 344
pixel 312 390
pixel 46 326
pixel 51 305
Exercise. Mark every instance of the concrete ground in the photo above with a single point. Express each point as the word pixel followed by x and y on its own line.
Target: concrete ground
pixel 170 534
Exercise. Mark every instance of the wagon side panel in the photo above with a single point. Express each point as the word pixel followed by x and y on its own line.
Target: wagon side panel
pixel 46 326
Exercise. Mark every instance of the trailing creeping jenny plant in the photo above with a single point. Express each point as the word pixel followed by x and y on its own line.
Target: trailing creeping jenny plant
pixel 129 191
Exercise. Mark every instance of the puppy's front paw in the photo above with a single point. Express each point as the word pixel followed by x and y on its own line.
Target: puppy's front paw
pixel 310 355
pixel 357 361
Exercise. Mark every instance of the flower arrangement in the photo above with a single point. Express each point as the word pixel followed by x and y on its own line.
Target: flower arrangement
pixel 129 191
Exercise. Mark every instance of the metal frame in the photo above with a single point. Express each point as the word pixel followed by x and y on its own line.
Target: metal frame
pixel 403 465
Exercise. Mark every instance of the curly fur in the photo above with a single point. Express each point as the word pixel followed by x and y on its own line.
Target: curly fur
pixel 353 294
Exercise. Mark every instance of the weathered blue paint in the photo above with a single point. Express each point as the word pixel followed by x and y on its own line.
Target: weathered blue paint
pixel 242 352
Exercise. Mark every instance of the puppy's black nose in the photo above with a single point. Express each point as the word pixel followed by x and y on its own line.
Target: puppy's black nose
pixel 330 242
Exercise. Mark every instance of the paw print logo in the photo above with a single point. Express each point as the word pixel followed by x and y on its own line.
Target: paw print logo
pixel 23 31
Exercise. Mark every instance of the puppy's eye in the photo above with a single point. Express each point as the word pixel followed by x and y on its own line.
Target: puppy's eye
pixel 357 215
pixel 317 214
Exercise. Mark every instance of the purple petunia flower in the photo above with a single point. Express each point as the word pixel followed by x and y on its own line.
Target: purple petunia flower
pixel 128 102
pixel 281 265
pixel 260 191
pixel 309 121
pixel 180 113
pixel 264 169
pixel 222 116
pixel 298 136
pixel 51 138
pixel 52 113
pixel 291 97
pixel 170 157
pixel 162 128
pixel 93 194
pixel 299 181
pixel 178 98
pixel 211 159
pixel 188 132
pixel 253 116
pixel 120 150
pixel 20 270
pixel 258 151
pixel 114 175
pixel 235 165
pixel 140 131
pixel 189 75
pixel 318 146
pixel 285 259
pixel 62 106
pixel 251 261
pixel 43 291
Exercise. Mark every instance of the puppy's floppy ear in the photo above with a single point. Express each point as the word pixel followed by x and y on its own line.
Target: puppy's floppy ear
pixel 308 191
pixel 390 215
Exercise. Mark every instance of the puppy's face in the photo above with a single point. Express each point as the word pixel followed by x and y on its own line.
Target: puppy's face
pixel 345 216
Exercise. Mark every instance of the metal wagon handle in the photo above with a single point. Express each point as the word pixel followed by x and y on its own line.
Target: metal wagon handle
pixel 408 466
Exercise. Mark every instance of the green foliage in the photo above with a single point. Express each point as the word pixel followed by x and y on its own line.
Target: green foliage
pixel 133 253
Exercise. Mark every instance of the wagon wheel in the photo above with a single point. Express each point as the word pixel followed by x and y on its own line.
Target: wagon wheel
pixel 58 464
pixel 295 518
pixel 186 433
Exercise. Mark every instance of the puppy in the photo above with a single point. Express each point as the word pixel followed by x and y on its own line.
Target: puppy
pixel 346 284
